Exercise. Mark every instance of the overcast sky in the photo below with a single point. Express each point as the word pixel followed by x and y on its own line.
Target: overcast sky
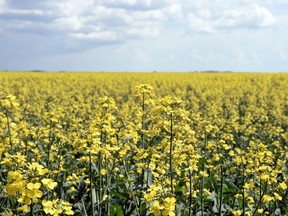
pixel 144 35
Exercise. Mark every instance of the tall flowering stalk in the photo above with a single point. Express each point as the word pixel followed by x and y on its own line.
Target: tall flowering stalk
pixel 103 133
pixel 172 116
pixel 9 107
pixel 145 95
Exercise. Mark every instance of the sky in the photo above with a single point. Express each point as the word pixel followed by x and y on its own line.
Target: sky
pixel 144 35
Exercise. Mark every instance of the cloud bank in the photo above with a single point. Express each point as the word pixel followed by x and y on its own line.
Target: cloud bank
pixel 121 20
pixel 56 27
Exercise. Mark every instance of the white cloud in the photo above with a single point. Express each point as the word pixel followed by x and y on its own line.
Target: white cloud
pixel 146 32
pixel 200 25
pixel 149 15
pixel 71 7
pixel 146 3
pixel 21 13
pixel 174 10
pixel 90 20
pixel 99 36
pixel 82 20
pixel 137 4
pixel 283 1
pixel 131 18
pixel 247 15
pixel 2 5
pixel 252 16
pixel 71 23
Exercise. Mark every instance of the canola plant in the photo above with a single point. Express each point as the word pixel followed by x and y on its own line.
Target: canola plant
pixel 143 144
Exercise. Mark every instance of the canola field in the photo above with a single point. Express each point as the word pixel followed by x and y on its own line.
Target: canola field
pixel 143 144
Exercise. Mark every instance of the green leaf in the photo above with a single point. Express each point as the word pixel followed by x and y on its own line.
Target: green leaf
pixel 143 207
pixel 93 197
pixel 116 210
pixel 119 195
pixel 148 176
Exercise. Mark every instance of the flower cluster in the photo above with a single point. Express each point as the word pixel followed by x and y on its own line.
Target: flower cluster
pixel 143 144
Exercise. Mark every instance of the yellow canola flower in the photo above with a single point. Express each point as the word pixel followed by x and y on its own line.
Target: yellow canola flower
pixel 33 186
pixel 249 185
pixel 237 213
pixel 143 88
pixel 250 200
pixel 57 207
pixel 226 147
pixel 267 199
pixel 7 161
pixel 15 187
pixel 260 211
pixel 23 209
pixel 150 196
pixel 67 208
pixel 283 186
pixel 203 174
pixel 264 177
pixel 165 208
pixel 231 153
pixel 216 157
pixel 14 175
pixel 103 171
pixel 156 208
pixel 238 196
pixel 38 168
pixel 169 206
pixel 31 194
pixel 277 196
pixel 206 192
pixel 49 183
pixel 152 192
pixel 48 206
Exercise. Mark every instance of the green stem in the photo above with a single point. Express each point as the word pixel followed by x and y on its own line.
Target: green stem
pixel 243 193
pixel 102 138
pixel 171 155
pixel 221 189
pixel 9 133
pixel 201 196
pixel 91 186
pixel 84 209
pixel 261 193
pixel 190 193
pixel 129 187
pixel 142 176
pixel 49 146
pixel 107 189
pixel 31 209
pixel 202 178
pixel 143 120
pixel 99 181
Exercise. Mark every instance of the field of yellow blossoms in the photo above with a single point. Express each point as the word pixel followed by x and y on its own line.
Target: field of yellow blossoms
pixel 143 144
